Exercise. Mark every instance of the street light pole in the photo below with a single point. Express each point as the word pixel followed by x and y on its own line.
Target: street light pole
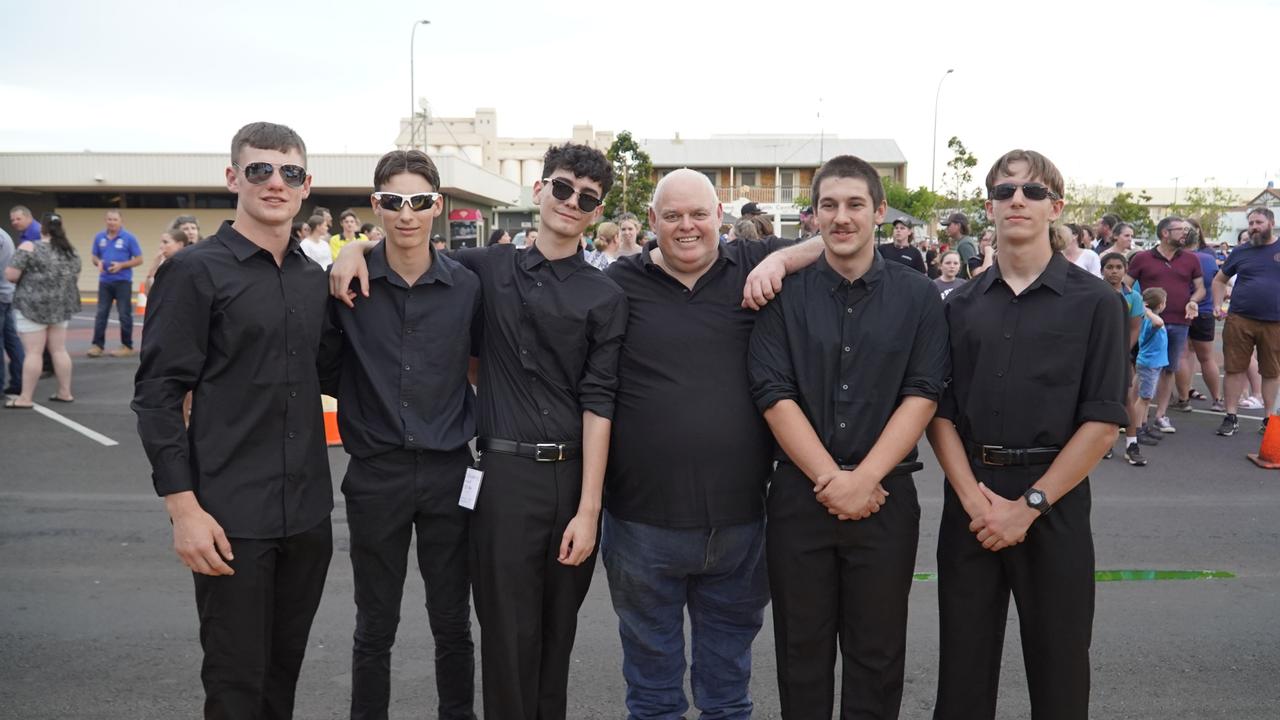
pixel 933 169
pixel 413 100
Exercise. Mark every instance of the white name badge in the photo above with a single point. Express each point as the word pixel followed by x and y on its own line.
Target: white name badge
pixel 471 488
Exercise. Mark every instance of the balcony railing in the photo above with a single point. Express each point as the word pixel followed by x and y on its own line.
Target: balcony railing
pixel 785 194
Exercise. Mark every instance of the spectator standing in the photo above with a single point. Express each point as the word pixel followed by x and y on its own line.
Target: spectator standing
pixel 1121 240
pixel 1114 267
pixel 316 244
pixel 171 241
pixel 949 279
pixel 188 226
pixel 12 344
pixel 1105 230
pixel 1153 357
pixel 1253 321
pixel 957 229
pixel 1202 333
pixel 604 250
pixel 44 299
pixel 901 250
pixel 499 237
pixel 1178 272
pixel 1078 251
pixel 628 234
pixel 350 231
pixel 115 252
pixel 27 226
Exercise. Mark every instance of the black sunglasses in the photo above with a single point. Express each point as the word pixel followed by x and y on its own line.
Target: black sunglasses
pixel 563 190
pixel 1031 191
pixel 394 201
pixel 259 172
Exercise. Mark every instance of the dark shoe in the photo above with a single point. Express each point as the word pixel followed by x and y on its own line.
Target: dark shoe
pixel 1194 394
pixel 1229 426
pixel 1110 453
pixel 1181 405
pixel 1133 454
pixel 1147 437
pixel 1262 430
pixel 55 398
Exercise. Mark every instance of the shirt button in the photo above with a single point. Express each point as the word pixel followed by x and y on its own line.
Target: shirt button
pixel 1008 336
pixel 290 476
pixel 999 373
pixel 996 413
pixel 293 352
pixel 293 393
pixel 524 351
pixel 407 368
pixel 846 348
pixel 292 435
pixel 841 425
pixel 848 310
pixel 404 403
pixel 546 411
pixel 1014 301
pixel 408 331
pixel 539 283
pixel 844 387
pixel 292 311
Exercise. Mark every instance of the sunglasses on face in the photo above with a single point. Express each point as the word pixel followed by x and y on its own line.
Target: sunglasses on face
pixel 563 190
pixel 416 202
pixel 259 172
pixel 1030 191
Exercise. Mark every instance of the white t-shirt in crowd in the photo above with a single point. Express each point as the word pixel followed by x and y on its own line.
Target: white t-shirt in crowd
pixel 1088 260
pixel 317 250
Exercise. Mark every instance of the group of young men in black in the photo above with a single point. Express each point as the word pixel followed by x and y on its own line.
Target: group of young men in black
pixel 624 399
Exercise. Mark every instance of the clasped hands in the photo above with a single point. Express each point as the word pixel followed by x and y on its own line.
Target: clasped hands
pixel 849 495
pixel 997 522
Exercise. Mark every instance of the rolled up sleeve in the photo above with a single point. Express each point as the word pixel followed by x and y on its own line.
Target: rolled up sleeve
pixel 599 386
pixel 930 361
pixel 174 347
pixel 769 365
pixel 1102 388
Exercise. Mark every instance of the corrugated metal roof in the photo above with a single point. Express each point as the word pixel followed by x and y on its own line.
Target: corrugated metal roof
pixel 205 171
pixel 767 151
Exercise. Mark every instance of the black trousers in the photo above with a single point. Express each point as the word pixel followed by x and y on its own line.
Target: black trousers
pixel 254 624
pixel 1051 577
pixel 526 601
pixel 389 497
pixel 842 581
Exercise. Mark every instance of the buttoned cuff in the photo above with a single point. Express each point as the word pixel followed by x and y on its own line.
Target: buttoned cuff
pixel 598 406
pixel 1104 411
pixel 770 396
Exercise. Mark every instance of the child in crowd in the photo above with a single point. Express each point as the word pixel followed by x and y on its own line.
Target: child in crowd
pixel 948 279
pixel 1153 356
pixel 1114 267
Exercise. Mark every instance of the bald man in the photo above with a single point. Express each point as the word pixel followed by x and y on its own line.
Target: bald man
pixel 685 484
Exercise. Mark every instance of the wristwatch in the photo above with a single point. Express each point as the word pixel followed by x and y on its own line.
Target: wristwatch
pixel 1037 501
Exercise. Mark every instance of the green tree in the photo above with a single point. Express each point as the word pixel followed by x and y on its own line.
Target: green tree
pixel 957 181
pixel 920 203
pixel 632 178
pixel 1084 203
pixel 1210 206
pixel 1133 212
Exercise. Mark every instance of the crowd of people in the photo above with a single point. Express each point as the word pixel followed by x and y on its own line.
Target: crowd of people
pixel 727 418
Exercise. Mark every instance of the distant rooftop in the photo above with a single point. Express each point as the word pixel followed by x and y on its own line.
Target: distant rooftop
pixel 767 151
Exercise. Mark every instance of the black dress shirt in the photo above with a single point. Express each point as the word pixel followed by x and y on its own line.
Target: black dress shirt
pixel 404 359
pixel 688 448
pixel 847 353
pixel 552 332
pixel 908 256
pixel 1028 370
pixel 245 335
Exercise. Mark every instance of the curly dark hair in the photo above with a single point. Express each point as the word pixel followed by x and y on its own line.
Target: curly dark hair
pixel 582 161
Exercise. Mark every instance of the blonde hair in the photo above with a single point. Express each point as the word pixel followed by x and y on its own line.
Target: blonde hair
pixel 1059 237
pixel 606 234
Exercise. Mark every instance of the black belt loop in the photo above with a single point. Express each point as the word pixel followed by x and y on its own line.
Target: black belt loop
pixel 1000 456
pixel 541 452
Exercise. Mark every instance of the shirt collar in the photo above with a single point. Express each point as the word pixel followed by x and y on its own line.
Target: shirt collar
pixel 1054 275
pixel 562 268
pixel 870 278
pixel 380 268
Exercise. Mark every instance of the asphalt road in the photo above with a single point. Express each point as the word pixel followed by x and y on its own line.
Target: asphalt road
pixel 97 617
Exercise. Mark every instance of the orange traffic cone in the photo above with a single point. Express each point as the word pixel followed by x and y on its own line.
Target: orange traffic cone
pixel 140 306
pixel 1268 456
pixel 330 406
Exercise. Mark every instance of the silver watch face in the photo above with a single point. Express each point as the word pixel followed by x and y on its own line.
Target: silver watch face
pixel 1036 498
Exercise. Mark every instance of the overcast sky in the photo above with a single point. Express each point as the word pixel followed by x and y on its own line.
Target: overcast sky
pixel 1140 92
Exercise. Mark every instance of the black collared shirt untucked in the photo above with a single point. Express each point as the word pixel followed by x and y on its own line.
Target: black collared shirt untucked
pixel 688 450
pixel 847 353
pixel 552 332
pixel 1029 369
pixel 245 335
pixel 403 382
pixel 907 255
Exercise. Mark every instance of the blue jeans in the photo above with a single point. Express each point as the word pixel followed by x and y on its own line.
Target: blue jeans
pixel 1177 335
pixel 720 574
pixel 12 348
pixel 121 292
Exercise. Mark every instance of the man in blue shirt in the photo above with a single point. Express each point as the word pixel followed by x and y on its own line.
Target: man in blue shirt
pixel 8 330
pixel 1253 322
pixel 115 253
pixel 27 226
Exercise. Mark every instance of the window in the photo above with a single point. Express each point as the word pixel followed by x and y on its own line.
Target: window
pixel 749 177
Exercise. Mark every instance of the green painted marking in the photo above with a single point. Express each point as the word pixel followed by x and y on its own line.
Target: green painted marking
pixel 1128 575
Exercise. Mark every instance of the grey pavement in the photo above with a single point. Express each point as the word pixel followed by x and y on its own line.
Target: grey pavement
pixel 97 616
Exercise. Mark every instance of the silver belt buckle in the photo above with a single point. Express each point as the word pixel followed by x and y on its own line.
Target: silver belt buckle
pixel 557 450
pixel 988 458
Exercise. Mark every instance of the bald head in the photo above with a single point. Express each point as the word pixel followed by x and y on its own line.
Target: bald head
pixel 687 185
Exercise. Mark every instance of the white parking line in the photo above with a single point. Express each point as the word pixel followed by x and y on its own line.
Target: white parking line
pixel 91 434
pixel 1215 412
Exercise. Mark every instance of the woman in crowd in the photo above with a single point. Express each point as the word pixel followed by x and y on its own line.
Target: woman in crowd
pixel 44 300
pixel 1122 239
pixel 315 245
pixel 171 241
pixel 499 237
pixel 606 246
pixel 1077 250
pixel 187 225
pixel 948 276
pixel 628 234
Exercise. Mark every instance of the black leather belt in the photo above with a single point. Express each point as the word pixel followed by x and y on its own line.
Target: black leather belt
pixel 542 452
pixel 998 456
